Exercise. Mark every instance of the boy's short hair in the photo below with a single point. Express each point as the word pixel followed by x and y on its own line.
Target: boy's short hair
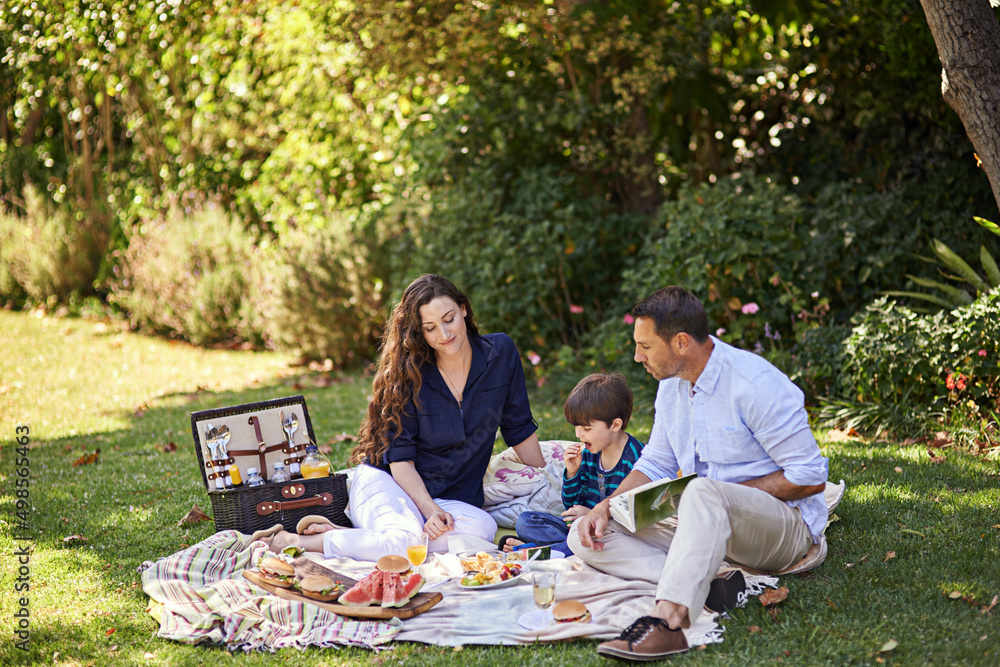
pixel 599 396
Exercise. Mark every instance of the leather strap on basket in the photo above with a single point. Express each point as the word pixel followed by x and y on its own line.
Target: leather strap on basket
pixel 263 450
pixel 272 506
pixel 260 454
pixel 296 453
pixel 261 446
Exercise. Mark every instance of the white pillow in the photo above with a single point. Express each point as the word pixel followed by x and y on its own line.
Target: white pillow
pixel 507 478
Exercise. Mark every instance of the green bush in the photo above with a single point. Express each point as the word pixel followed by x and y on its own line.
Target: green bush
pixel 738 246
pixel 777 274
pixel 862 243
pixel 50 255
pixel 322 292
pixel 187 276
pixel 11 291
pixel 817 359
pixel 946 364
pixel 539 258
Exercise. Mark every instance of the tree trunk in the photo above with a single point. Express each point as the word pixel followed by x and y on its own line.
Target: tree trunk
pixel 967 36
pixel 31 127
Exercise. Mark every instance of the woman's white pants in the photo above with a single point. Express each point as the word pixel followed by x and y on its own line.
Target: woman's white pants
pixel 384 517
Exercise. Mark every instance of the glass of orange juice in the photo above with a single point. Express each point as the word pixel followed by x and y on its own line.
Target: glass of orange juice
pixel 416 548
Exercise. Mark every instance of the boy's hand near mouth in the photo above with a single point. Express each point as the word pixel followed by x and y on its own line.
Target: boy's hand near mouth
pixel 572 457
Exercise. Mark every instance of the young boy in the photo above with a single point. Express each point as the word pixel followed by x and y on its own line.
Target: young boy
pixel 600 407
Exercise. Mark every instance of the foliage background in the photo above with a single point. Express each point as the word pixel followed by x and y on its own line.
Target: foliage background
pixel 558 159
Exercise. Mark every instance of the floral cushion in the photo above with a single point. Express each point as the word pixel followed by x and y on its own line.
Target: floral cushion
pixel 511 487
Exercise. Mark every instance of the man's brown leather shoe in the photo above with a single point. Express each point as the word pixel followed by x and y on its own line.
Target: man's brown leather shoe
pixel 649 638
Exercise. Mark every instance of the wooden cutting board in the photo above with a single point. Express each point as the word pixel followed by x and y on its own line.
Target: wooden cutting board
pixel 420 603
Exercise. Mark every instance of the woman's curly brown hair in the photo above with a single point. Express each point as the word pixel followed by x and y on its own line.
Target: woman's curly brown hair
pixel 404 353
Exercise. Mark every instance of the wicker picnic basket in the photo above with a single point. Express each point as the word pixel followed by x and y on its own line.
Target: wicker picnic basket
pixel 257 439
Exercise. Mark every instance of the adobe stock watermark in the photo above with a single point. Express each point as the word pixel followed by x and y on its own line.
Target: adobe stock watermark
pixel 22 538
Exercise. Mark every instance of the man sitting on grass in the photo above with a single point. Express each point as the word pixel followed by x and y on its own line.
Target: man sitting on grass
pixel 738 423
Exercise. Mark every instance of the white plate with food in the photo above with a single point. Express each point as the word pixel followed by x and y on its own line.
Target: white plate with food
pixel 485 570
pixel 466 581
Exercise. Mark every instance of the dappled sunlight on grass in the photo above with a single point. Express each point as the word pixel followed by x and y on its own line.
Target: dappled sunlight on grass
pixel 878 493
pixel 100 375
pixel 936 518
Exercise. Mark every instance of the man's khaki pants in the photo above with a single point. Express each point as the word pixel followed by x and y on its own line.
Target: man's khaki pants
pixel 715 520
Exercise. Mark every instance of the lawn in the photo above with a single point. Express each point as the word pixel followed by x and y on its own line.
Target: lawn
pixel 913 560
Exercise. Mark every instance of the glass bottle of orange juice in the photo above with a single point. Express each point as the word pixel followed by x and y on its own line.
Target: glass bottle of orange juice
pixel 314 464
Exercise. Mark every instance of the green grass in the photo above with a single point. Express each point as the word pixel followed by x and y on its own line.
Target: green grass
pixel 80 385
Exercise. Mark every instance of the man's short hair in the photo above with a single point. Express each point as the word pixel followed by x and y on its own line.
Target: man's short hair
pixel 674 310
pixel 599 397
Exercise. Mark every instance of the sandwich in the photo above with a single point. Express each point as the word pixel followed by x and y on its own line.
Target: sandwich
pixel 276 572
pixel 395 564
pixel 570 611
pixel 318 587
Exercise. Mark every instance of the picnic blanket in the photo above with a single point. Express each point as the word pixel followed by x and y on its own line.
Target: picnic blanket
pixel 492 616
pixel 199 595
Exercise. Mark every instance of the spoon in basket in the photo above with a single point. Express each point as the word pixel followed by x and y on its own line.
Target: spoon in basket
pixel 290 426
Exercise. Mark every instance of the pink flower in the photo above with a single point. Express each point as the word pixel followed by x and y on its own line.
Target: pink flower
pixel 628 319
pixel 952 381
pixel 540 382
pixel 750 308
pixel 720 331
pixel 982 353
pixel 534 358
pixel 575 309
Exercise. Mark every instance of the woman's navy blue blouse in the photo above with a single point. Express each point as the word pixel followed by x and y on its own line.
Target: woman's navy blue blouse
pixel 451 446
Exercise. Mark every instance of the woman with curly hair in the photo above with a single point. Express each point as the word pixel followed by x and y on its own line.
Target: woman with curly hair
pixel 440 392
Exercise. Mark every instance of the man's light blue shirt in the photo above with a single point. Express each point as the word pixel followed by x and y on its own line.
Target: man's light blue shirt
pixel 742 419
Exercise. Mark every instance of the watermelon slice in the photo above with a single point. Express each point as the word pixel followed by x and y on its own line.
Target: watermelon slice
pixel 393 593
pixel 412 585
pixel 386 589
pixel 366 592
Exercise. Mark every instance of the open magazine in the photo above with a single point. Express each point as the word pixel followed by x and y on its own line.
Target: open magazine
pixel 645 505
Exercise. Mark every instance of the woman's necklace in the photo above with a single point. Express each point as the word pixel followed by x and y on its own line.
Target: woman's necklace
pixel 452 385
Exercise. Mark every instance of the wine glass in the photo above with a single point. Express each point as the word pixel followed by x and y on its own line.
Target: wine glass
pixel 543 589
pixel 416 548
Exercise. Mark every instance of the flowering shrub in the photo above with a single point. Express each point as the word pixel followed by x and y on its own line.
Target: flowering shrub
pixel 946 364
pixel 817 359
pixel 737 245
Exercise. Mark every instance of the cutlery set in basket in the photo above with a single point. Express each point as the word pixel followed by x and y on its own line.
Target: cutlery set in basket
pixel 257 435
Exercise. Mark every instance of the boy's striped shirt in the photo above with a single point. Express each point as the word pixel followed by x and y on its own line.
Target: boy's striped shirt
pixel 592 483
